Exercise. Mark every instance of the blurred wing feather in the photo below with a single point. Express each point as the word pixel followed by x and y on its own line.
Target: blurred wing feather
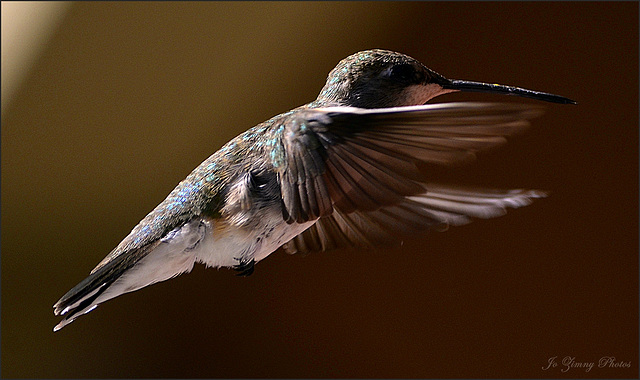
pixel 358 160
pixel 438 208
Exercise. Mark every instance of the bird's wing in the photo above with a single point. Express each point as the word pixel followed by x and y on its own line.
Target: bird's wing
pixel 439 207
pixel 359 160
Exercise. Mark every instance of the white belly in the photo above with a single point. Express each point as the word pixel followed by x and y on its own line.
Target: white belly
pixel 212 242
pixel 225 245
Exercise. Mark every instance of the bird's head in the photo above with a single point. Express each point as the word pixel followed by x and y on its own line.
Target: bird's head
pixel 382 78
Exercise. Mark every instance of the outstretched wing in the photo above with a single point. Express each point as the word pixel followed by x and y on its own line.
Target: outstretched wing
pixel 362 160
pixel 438 207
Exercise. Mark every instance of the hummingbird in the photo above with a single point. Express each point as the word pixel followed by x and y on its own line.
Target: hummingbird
pixel 342 170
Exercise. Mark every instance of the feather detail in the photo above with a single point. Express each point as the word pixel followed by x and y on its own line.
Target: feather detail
pixel 437 208
pixel 357 159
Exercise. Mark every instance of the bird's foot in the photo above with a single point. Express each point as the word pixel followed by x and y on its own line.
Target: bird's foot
pixel 244 267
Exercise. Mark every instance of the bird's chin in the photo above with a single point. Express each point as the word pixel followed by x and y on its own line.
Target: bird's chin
pixel 421 94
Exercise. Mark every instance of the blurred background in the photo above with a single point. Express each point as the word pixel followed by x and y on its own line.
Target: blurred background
pixel 106 106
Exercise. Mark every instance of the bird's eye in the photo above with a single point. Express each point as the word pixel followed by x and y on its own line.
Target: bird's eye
pixel 401 72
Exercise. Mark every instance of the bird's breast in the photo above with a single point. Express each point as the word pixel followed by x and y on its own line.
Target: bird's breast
pixel 226 244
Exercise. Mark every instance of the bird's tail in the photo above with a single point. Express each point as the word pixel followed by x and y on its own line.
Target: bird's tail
pixel 89 293
pixel 131 270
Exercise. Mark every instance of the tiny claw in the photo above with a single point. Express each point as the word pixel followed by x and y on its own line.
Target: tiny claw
pixel 245 268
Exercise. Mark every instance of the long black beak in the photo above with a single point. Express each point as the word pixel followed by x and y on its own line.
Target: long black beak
pixel 465 85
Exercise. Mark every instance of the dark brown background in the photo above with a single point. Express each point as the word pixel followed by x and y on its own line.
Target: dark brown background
pixel 129 97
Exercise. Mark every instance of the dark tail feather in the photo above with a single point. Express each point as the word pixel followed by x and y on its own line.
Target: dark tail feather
pixel 83 297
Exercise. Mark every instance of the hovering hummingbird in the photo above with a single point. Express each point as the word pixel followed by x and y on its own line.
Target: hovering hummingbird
pixel 339 171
